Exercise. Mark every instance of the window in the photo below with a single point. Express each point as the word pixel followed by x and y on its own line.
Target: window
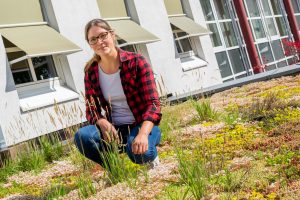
pixel 223 64
pixel 185 48
pixel 183 45
pixel 31 69
pixel 30 45
pixel 269 27
pixel 231 54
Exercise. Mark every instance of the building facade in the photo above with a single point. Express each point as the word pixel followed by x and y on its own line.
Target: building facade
pixel 190 44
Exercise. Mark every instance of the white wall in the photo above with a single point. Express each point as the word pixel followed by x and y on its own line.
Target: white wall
pixel 9 99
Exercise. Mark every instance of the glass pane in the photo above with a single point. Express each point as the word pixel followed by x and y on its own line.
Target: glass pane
pixel 258 28
pixel 271 26
pixel 215 37
pixel 266 7
pixel 223 64
pixel 277 49
pixel 281 26
pixel 270 67
pixel 20 70
pixel 206 7
pixel 178 46
pixel 292 61
pixel 252 8
pixel 236 60
pixel 281 64
pixel 276 7
pixel 185 43
pixel 298 20
pixel 295 6
pixel 228 34
pixel 265 53
pixel 43 67
pixel 222 9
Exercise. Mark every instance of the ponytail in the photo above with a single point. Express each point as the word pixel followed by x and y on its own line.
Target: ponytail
pixel 95 58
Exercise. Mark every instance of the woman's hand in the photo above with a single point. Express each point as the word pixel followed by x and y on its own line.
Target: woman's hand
pixel 108 131
pixel 140 143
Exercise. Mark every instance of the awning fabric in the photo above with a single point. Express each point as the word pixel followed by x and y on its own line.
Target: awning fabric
pixel 38 40
pixel 189 26
pixel 112 8
pixel 173 7
pixel 131 32
pixel 20 11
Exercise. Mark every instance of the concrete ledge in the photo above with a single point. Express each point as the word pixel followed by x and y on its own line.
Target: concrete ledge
pixel 289 70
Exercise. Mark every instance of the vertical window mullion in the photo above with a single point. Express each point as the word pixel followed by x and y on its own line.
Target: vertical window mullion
pixel 31 67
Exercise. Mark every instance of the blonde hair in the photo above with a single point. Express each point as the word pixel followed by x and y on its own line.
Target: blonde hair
pixel 102 24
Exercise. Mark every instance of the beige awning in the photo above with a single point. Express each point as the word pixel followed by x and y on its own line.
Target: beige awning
pixel 189 26
pixel 131 32
pixel 173 7
pixel 39 40
pixel 112 8
pixel 20 12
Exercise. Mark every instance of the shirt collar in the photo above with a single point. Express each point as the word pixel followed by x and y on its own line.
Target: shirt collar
pixel 125 55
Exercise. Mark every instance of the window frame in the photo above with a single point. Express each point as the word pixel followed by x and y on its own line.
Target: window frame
pixel 32 69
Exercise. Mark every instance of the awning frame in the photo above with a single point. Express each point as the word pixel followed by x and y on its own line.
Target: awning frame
pixel 27 56
pixel 23 24
pixel 131 43
pixel 188 34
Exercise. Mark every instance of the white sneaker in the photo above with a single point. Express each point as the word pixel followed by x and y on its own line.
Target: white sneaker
pixel 154 163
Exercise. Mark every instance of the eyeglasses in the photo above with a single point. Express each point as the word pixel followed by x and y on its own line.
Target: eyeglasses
pixel 101 37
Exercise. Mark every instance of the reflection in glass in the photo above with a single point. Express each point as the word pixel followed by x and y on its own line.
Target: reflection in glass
pixel 298 20
pixel 43 67
pixel 228 34
pixel 276 7
pixel 215 36
pixel 185 43
pixel 295 6
pixel 20 70
pixel 277 49
pixel 271 26
pixel 265 52
pixel 281 64
pixel 252 8
pixel 206 7
pixel 270 67
pixel 222 10
pixel 236 60
pixel 266 7
pixel 223 64
pixel 281 26
pixel 258 28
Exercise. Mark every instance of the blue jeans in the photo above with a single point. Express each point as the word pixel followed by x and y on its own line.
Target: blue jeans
pixel 89 143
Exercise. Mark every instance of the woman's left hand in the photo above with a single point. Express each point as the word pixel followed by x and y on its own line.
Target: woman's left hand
pixel 140 143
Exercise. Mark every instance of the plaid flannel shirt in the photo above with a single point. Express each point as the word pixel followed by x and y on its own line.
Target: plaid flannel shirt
pixel 139 88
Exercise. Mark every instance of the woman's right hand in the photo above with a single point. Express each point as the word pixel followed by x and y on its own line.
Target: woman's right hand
pixel 109 133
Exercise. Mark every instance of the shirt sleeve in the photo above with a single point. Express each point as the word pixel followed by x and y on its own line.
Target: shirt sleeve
pixel 148 91
pixel 92 102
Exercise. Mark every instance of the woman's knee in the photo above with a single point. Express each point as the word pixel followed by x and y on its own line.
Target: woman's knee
pixel 85 135
pixel 148 156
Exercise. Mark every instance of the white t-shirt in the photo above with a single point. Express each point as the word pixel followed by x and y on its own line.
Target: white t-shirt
pixel 113 93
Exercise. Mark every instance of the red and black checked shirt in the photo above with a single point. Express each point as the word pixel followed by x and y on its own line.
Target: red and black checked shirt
pixel 139 87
